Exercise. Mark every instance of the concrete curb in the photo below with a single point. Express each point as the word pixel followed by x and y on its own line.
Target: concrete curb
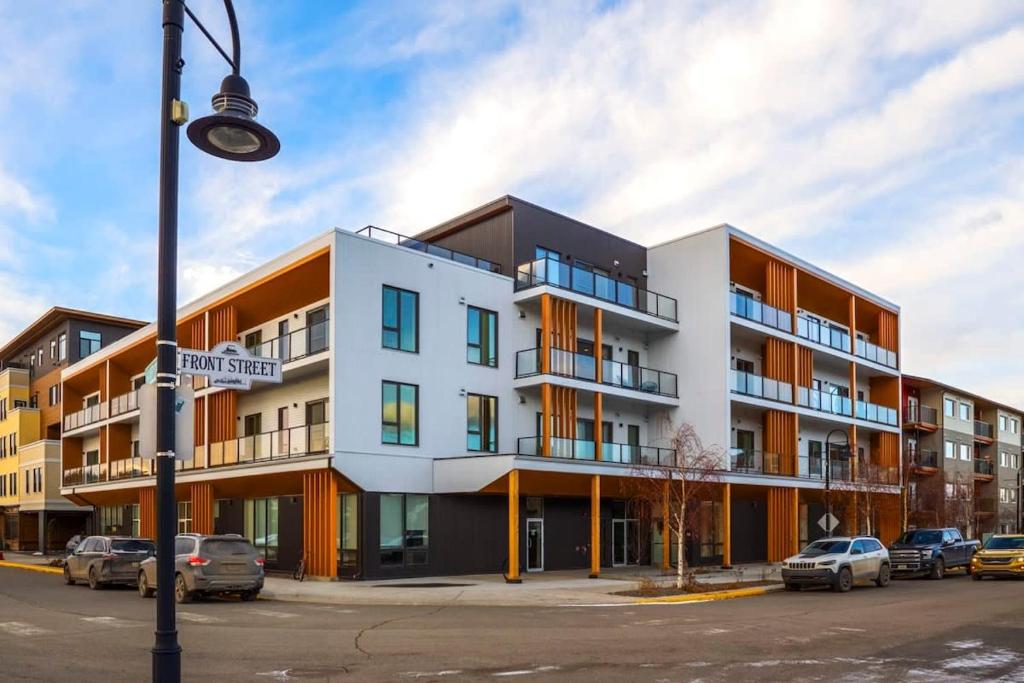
pixel 710 596
pixel 31 567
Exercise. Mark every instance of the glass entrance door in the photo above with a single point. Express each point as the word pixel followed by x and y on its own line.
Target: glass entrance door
pixel 620 542
pixel 535 545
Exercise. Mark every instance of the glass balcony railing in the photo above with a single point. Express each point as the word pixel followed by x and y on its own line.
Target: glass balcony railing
pixel 749 384
pixel 822 333
pixel 382 235
pixel 919 414
pixel 983 430
pixel 923 458
pixel 85 416
pixel 984 467
pixel 125 403
pixel 749 308
pixel 876 413
pixel 129 468
pixel 876 354
pixel 584 367
pixel 295 345
pixel 824 401
pixel 551 271
pixel 579 449
pixel 275 445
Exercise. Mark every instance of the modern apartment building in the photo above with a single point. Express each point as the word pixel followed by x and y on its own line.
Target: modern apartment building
pixel 36 516
pixel 963 454
pixel 479 398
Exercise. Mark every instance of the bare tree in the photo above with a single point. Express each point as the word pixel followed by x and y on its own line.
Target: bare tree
pixel 676 482
pixel 874 491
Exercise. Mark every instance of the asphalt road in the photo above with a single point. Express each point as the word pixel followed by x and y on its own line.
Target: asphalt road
pixel 916 630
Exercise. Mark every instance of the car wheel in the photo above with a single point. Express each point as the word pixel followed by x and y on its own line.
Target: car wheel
pixel 181 591
pixel 144 590
pixel 94 580
pixel 883 576
pixel 938 569
pixel 249 596
pixel 844 582
pixel 67 576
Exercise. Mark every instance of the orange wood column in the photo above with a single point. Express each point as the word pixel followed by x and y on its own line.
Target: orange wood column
pixel 727 525
pixel 598 343
pixel 513 528
pixel 794 541
pixel 545 368
pixel 202 508
pixel 545 419
pixel 852 527
pixel 666 527
pixel 147 512
pixel 595 526
pixel 320 523
pixel 598 431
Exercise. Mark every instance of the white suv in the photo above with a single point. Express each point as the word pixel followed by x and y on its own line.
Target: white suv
pixel 838 562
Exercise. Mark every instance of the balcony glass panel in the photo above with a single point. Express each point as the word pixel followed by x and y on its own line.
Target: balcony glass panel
pixel 745 306
pixel 876 413
pixel 757 386
pixel 824 401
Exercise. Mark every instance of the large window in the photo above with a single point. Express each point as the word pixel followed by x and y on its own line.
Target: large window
pixel 949 407
pixel 965 451
pixel 348 529
pixel 950 451
pixel 400 413
pixel 88 343
pixel 965 412
pixel 111 519
pixel 404 529
pixel 482 337
pixel 261 517
pixel 481 423
pixel 62 347
pixel 401 328
pixel 185 517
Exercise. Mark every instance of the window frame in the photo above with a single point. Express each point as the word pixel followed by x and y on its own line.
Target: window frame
pixel 949 407
pixel 398 413
pixel 482 315
pixel 404 549
pixel 964 408
pixel 82 339
pixel 484 424
pixel 397 329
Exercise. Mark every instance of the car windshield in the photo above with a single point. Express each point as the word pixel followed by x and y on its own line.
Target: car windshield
pixel 221 549
pixel 1005 543
pixel 921 537
pixel 132 545
pixel 826 547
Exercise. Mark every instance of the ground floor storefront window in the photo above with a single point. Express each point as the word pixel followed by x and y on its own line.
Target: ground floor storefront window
pixel 261 526
pixel 348 530
pixel 404 529
pixel 185 517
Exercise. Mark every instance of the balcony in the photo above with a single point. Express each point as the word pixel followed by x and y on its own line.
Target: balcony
pixel 579 449
pixel 871 412
pixel 824 402
pixel 583 367
pixel 86 416
pixel 822 333
pixel 984 469
pixel 924 418
pixel 877 475
pixel 87 474
pixel 876 354
pixel 747 307
pixel 130 468
pixel 983 432
pixel 751 461
pixel 555 273
pixel 296 345
pixel 125 403
pixel 748 384
pixel 389 237
pixel 922 459
pixel 268 446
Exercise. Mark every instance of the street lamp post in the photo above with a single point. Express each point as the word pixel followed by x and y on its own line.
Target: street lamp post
pixel 231 133
pixel 828 472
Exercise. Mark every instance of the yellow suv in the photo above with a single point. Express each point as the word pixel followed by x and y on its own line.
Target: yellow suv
pixel 1002 555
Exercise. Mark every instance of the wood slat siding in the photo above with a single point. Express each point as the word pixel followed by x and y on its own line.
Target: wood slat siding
pixel 780 439
pixel 780 286
pixel 147 512
pixel 320 522
pixel 202 508
pixel 779 360
pixel 888 330
pixel 783 520
pixel 804 366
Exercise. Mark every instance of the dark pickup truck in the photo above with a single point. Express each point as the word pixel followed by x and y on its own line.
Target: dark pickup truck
pixel 931 552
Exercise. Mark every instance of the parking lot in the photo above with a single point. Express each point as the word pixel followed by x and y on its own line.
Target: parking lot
pixel 955 629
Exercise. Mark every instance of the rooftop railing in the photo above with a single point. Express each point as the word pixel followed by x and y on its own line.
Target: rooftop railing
pixel 551 271
pixel 747 307
pixel 749 384
pixel 583 366
pixel 382 235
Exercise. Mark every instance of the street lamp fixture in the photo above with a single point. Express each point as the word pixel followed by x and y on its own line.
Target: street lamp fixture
pixel 232 132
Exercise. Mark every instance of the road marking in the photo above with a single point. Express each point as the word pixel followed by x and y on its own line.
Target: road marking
pixel 431 674
pixel 199 618
pixel 20 628
pixel 113 622
pixel 527 672
pixel 272 613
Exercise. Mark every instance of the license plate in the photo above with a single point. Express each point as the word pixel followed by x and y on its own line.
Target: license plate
pixel 901 566
pixel 233 568
pixel 135 565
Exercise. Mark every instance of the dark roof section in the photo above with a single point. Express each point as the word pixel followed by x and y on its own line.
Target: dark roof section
pixel 914 380
pixel 493 208
pixel 53 317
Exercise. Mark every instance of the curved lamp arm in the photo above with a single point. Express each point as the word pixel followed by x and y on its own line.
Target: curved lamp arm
pixel 235 60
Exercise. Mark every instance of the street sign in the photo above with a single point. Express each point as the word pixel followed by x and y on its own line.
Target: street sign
pixel 229 365
pixel 828 522
pixel 184 422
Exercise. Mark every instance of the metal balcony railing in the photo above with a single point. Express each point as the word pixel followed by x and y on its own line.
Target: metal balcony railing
pixel 876 354
pixel 576 278
pixel 85 416
pixel 822 333
pixel 984 467
pixel 382 235
pixel 125 403
pixel 923 458
pixel 295 345
pixel 580 449
pixel 983 429
pixel 824 401
pixel 276 445
pixel 876 413
pixel 747 307
pixel 584 367
pixel 748 384
pixel 920 414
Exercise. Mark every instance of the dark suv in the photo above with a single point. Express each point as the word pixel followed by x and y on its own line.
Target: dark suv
pixel 208 565
pixel 103 560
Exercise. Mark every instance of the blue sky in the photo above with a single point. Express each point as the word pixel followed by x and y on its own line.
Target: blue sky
pixel 882 141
